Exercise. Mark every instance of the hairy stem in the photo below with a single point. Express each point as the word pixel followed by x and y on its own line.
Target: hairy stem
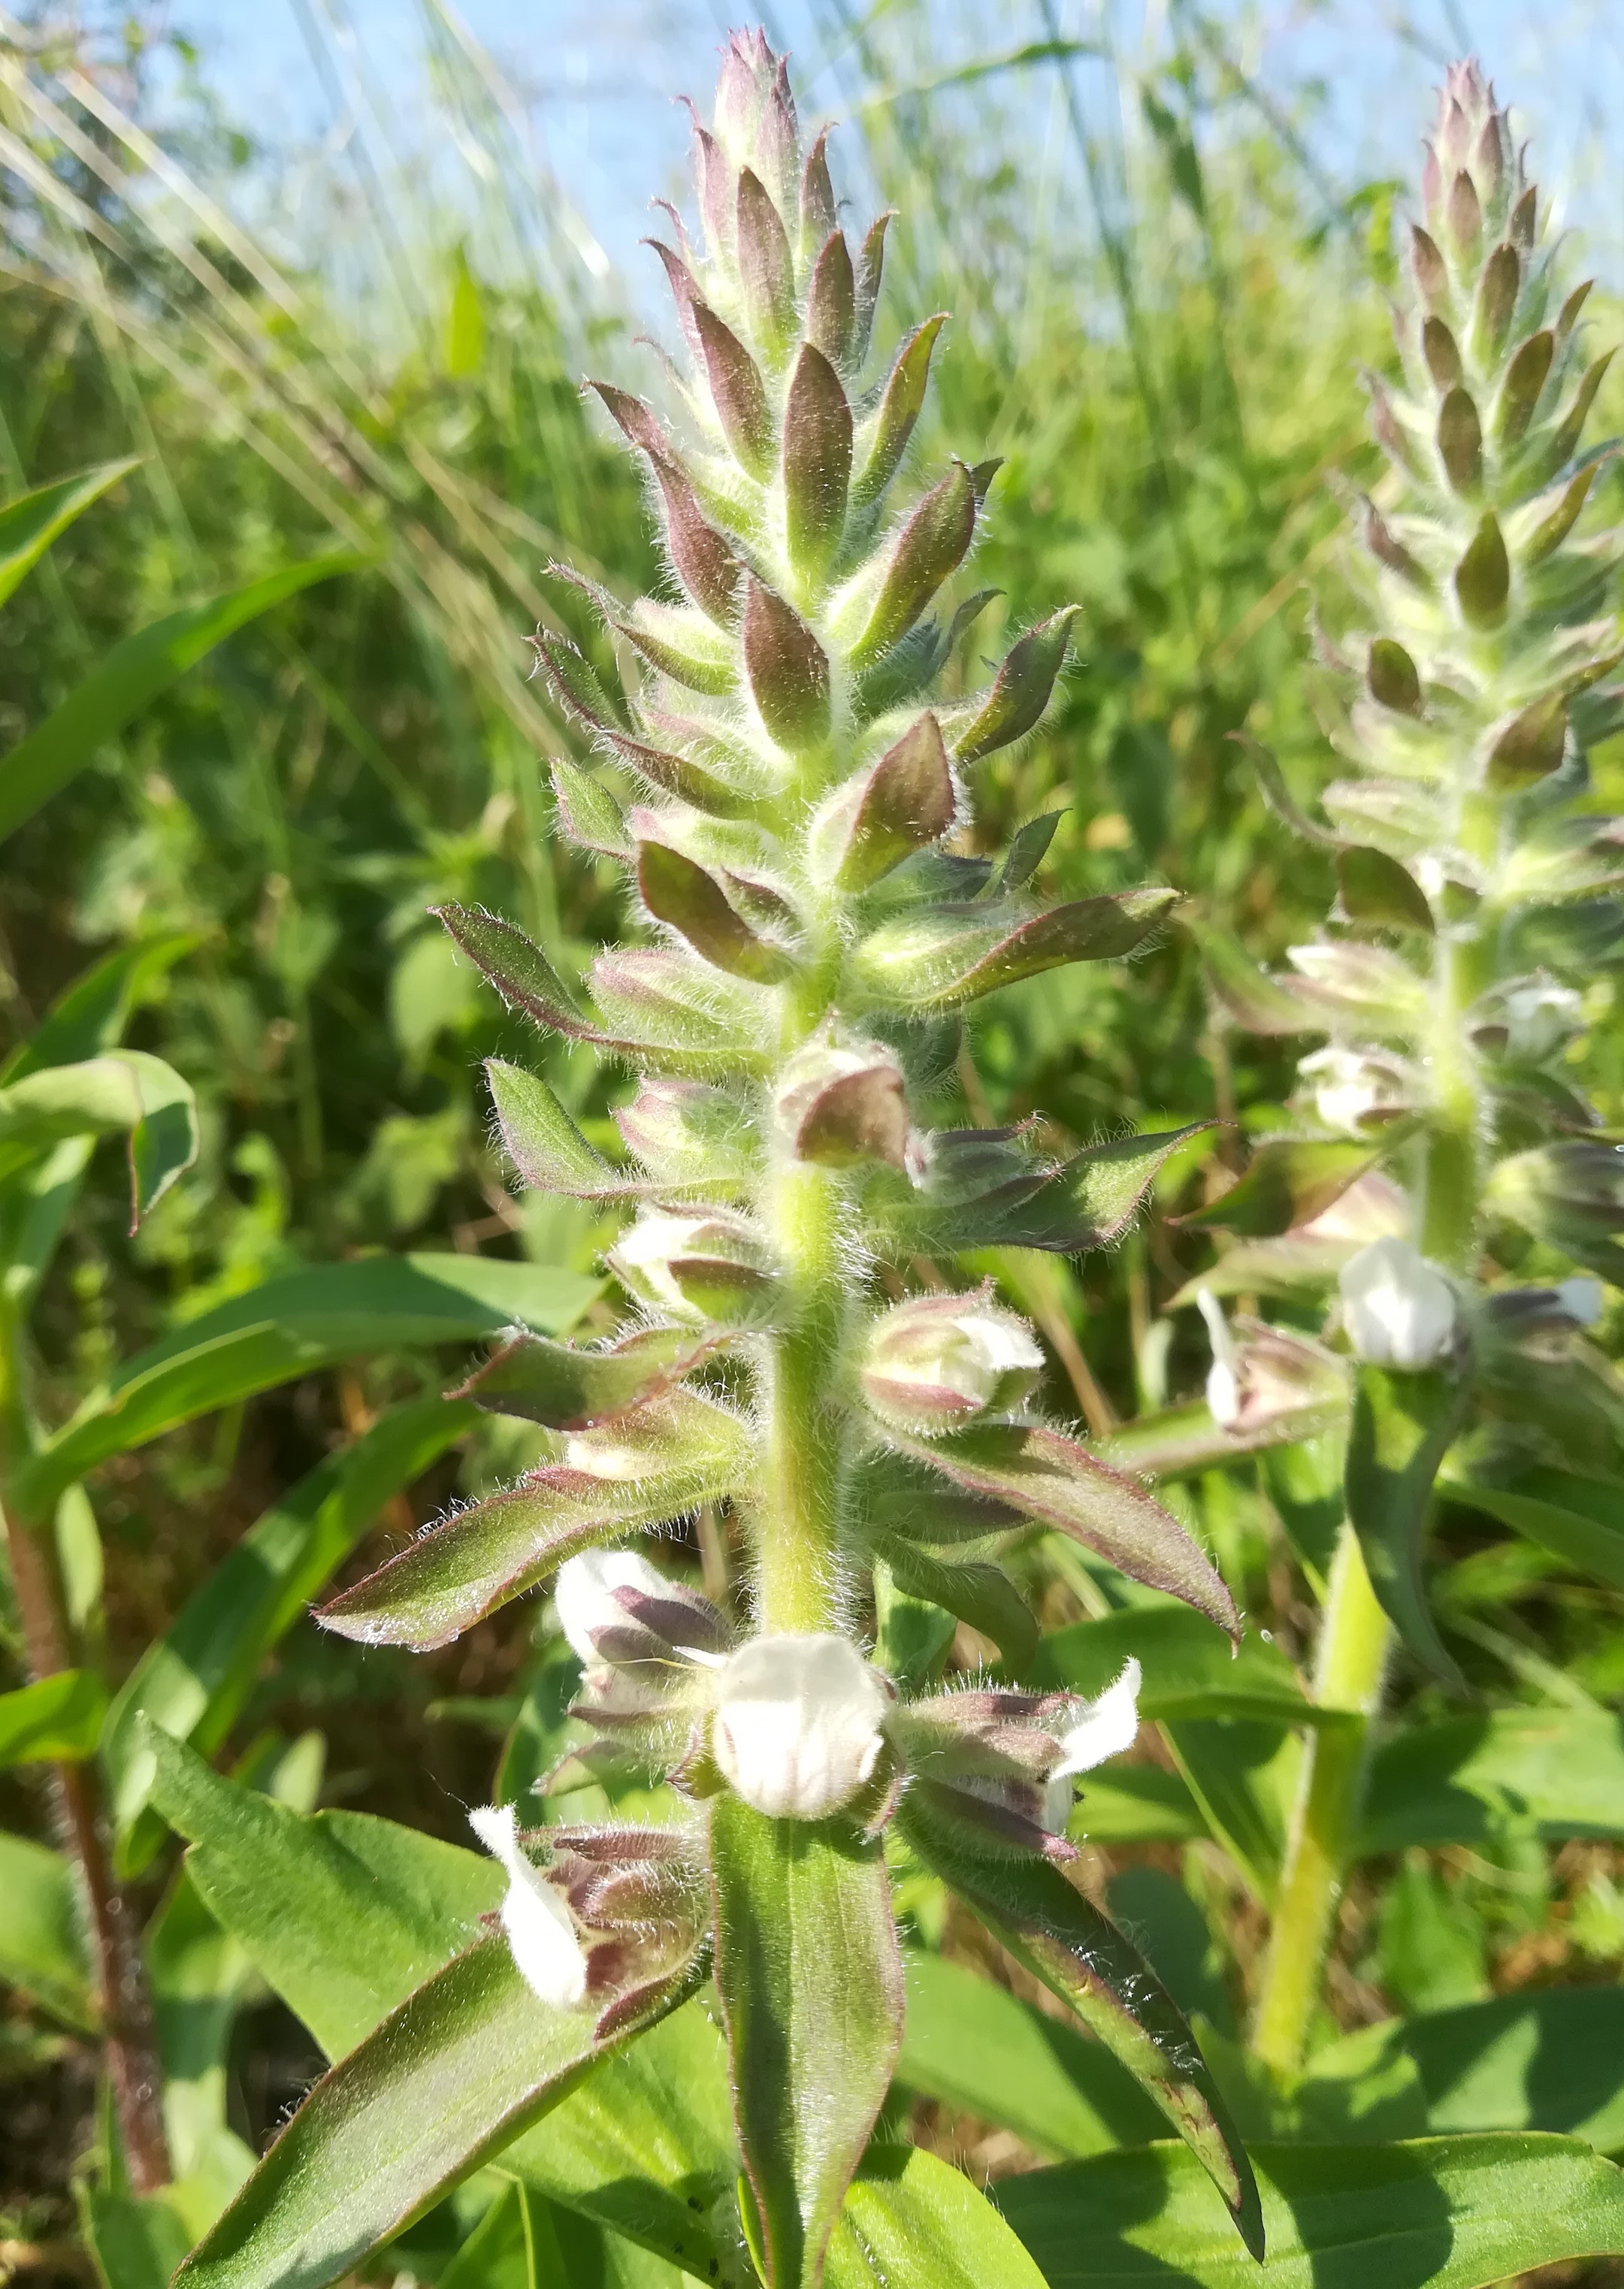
pixel 800 1533
pixel 1355 1639
pixel 129 2045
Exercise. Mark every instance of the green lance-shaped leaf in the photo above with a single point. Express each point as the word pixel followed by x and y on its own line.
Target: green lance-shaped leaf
pixel 194 1681
pixel 448 2078
pixel 942 959
pixel 1079 1955
pixel 1519 393
pixel 788 671
pixel 544 1144
pixel 1260 1003
pixel 766 267
pixel 690 899
pixel 1046 1475
pixel 905 802
pixel 131 677
pixel 1288 1181
pixel 1393 677
pixel 1020 690
pixel 972 1590
pixel 675 1013
pixel 687 1452
pixel 831 301
pixel 576 684
pixel 1377 892
pixel 1087 1201
pixel 1403 1424
pixel 817 444
pixel 517 967
pixel 56 1719
pixel 1497 292
pixel 810 1981
pixel 1460 438
pixel 579 692
pixel 120 1089
pixel 567 1388
pixel 1548 460
pixel 1579 1520
pixel 1453 2212
pixel 587 811
pixel 899 409
pixel 1028 849
pixel 29 523
pixel 294 1326
pixel 930 546
pixel 869 269
pixel 737 392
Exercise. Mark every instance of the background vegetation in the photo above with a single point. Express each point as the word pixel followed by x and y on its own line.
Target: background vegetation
pixel 1161 307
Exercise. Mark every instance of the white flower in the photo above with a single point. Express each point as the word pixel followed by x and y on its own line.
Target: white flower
pixel 1223 1380
pixel 1540 1015
pixel 1104 1729
pixel 1582 1299
pixel 538 1926
pixel 584 1595
pixel 1399 1310
pixel 1351 1090
pixel 798 1723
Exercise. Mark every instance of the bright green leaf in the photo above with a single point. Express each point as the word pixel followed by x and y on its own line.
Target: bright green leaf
pixel 1561 1770
pixel 42 1944
pixel 32 521
pixel 913 2218
pixel 58 1719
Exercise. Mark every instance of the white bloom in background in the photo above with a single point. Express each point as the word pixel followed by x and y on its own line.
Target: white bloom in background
pixel 1540 1015
pixel 538 1926
pixel 1399 1310
pixel 1104 1729
pixel 1582 1299
pixel 798 1723
pixel 584 1598
pixel 1351 1090
pixel 1223 1378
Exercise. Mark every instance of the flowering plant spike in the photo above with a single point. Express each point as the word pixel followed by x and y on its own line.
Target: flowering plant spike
pixel 1450 1171
pixel 785 794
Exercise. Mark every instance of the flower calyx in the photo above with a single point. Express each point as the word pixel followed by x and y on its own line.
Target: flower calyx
pixel 934 1361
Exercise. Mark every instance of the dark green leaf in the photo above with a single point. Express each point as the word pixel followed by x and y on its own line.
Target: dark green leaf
pixel 936 958
pixel 973 1591
pixel 1021 690
pixel 977 2047
pixel 1427 2213
pixel 130 677
pixel 120 1089
pixel 1579 1520
pixel 1402 1427
pixel 692 1452
pixel 544 1144
pixel 1560 1771
pixel 569 1388
pixel 193 1682
pixel 1048 1476
pixel 1064 1940
pixel 1376 889
pixel 58 1719
pixel 810 1981
pixel 293 1325
pixel 1288 1181
pixel 468 2059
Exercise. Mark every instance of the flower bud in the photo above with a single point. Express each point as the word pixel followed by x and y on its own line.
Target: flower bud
pixel 540 1928
pixel 1003 1762
pixel 1356 1091
pixel 936 1359
pixel 1529 1019
pixel 585 1600
pixel 617 1609
pixel 839 1106
pixel 694 1268
pixel 1399 1310
pixel 797 1724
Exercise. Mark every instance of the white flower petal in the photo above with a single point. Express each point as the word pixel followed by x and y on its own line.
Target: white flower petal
pixel 537 1922
pixel 583 1595
pixel 1399 1310
pixel 1106 1727
pixel 798 1723
pixel 1581 1298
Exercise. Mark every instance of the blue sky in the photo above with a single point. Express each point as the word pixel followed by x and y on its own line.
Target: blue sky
pixel 595 77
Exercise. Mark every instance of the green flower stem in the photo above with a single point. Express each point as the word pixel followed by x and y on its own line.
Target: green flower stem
pixel 1449 1174
pixel 129 2043
pixel 1355 1639
pixel 800 1529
